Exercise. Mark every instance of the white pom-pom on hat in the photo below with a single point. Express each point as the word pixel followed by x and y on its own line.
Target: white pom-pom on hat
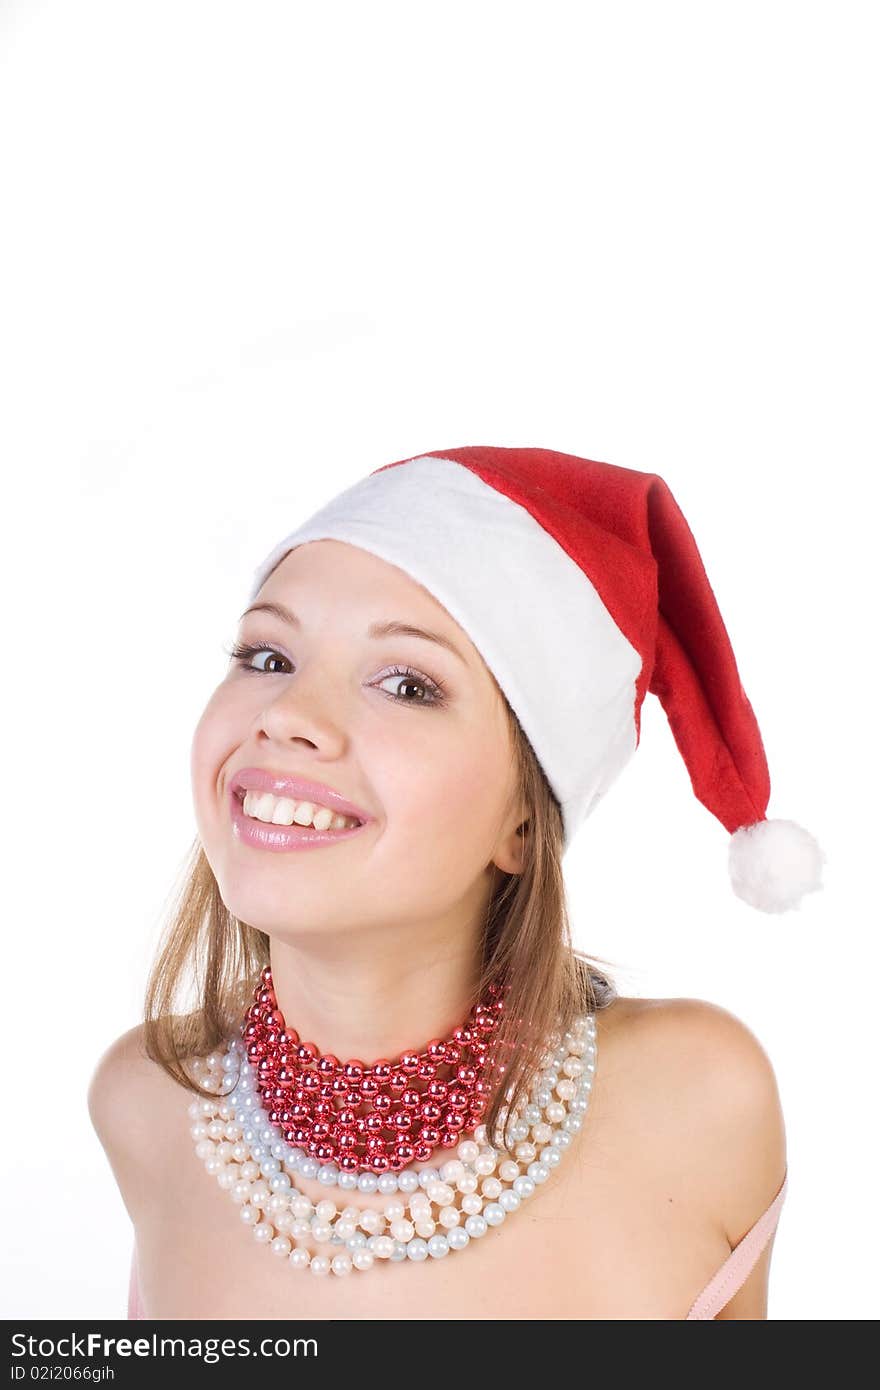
pixel 773 863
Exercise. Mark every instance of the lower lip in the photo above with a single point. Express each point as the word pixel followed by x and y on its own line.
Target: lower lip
pixel 283 837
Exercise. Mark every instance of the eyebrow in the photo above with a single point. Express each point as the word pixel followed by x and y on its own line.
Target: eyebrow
pixel 392 628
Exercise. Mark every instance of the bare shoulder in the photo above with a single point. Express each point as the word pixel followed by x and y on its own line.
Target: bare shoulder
pixel 698 1078
pixel 134 1105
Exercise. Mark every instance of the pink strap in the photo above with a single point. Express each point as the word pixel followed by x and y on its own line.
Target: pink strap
pixel 135 1309
pixel 740 1262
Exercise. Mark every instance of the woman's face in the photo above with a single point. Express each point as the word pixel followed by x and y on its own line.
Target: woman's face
pixel 434 769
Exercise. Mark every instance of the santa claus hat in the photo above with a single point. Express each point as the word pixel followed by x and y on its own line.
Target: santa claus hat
pixel 553 563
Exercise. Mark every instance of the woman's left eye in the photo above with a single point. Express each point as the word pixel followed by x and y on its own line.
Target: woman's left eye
pixel 242 654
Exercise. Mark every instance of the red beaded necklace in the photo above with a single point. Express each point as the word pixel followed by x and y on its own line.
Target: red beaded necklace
pixel 371 1118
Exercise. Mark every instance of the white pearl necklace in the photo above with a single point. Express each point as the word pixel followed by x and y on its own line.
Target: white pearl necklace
pixel 254 1164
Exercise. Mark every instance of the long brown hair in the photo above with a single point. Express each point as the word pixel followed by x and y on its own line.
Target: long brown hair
pixel 525 946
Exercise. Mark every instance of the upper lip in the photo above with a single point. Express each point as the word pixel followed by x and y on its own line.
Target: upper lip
pixel 263 779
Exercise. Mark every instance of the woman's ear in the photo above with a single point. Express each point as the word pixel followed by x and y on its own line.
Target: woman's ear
pixel 510 854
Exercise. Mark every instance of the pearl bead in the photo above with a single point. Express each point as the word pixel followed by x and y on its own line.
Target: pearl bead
pixel 468 1151
pixel 299 1258
pixel 472 1203
pixel 476 1226
pixel 417 1249
pixel 451 1170
pixel 441 1193
pixel 508 1170
pixel 509 1200
pixel 425 1228
pixel 382 1247
pixel 362 1259
pixel 325 1210
pixel 491 1187
pixel 394 1210
pixel 342 1263
pixel 449 1217
pixel 319 1264
pixel 438 1246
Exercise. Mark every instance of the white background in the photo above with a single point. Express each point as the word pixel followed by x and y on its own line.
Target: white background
pixel 250 252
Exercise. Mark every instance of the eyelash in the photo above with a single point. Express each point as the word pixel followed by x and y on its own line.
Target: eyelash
pixel 242 652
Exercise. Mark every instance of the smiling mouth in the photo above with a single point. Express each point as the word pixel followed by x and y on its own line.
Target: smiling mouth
pixel 337 823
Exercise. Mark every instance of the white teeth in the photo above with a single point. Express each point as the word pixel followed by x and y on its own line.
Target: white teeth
pixel 281 810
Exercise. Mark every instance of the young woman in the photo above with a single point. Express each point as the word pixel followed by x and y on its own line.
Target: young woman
pixel 399 1091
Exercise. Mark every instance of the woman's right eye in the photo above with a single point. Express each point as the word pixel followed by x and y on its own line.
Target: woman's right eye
pixel 242 654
